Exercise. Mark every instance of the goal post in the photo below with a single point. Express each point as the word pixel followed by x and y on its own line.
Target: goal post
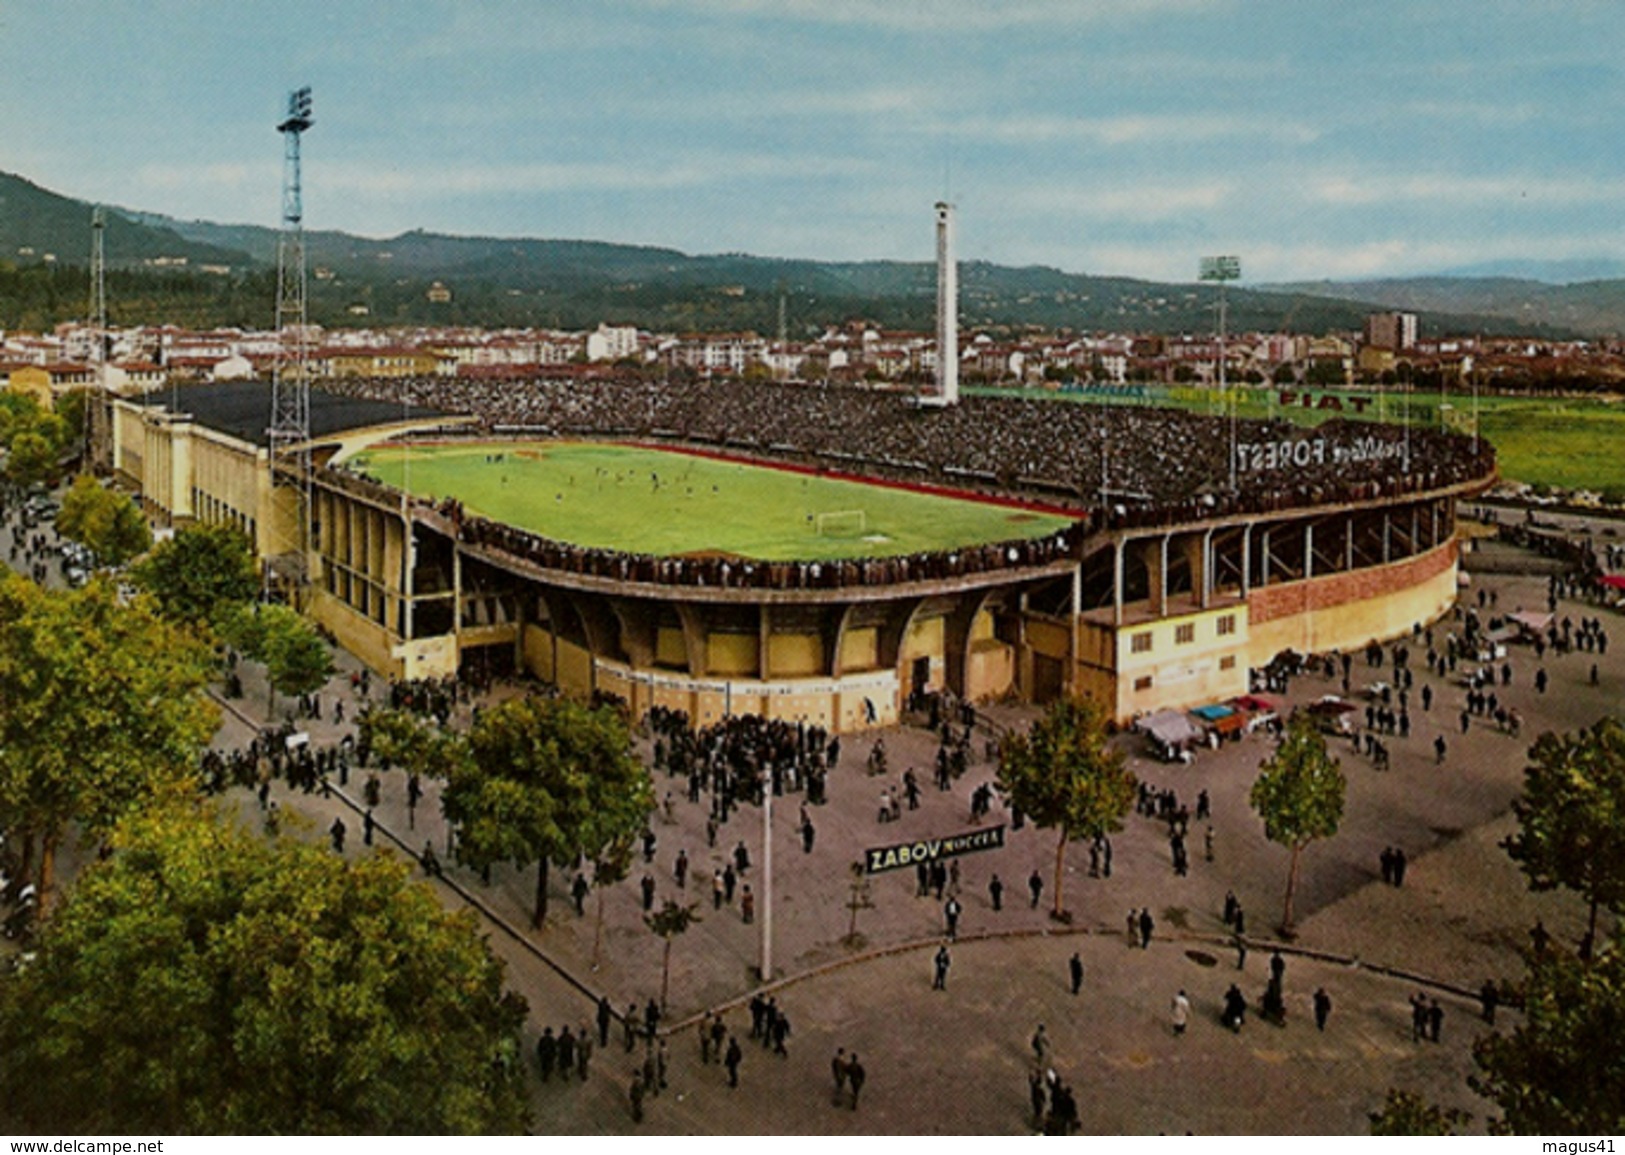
pixel 841 523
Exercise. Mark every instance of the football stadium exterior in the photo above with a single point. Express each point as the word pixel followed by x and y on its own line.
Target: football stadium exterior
pixel 1200 548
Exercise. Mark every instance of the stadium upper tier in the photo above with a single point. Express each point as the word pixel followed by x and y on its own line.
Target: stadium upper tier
pixel 1128 466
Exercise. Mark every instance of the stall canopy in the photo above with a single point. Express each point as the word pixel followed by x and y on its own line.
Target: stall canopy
pixel 1534 623
pixel 1171 728
pixel 1614 581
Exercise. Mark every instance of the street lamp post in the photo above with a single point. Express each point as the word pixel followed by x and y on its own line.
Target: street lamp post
pixel 1222 270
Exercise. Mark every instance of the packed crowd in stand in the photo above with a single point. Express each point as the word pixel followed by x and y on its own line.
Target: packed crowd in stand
pixel 1115 467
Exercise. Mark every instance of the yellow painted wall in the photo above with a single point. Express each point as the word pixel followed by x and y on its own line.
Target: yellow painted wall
pixel 990 670
pixel 1182 673
pixel 795 655
pixel 670 649
pixel 731 655
pixel 860 649
pixel 575 669
pixel 365 639
pixel 537 645
pixel 924 639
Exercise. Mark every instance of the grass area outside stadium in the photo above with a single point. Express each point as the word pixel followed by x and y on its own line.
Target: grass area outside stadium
pixel 671 503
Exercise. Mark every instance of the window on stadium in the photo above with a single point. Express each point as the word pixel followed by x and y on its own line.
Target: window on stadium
pixel 1185 634
pixel 1140 643
pixel 1227 625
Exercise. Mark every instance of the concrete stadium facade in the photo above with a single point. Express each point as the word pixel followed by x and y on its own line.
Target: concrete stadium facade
pixel 1161 609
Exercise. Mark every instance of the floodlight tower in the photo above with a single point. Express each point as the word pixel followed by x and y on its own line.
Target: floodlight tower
pixel 290 377
pixel 1223 270
pixel 95 410
pixel 947 309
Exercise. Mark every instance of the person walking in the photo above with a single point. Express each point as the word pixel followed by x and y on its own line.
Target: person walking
pixel 995 891
pixel 547 1053
pixel 855 1076
pixel 1147 925
pixel 1035 887
pixel 941 963
pixel 337 832
pixel 605 1017
pixel 747 904
pixel 578 893
pixel 950 913
pixel 635 1094
pixel 1040 1046
pixel 583 1053
pixel 732 1059
pixel 1323 1008
pixel 1075 969
pixel 837 1070
pixel 1181 1013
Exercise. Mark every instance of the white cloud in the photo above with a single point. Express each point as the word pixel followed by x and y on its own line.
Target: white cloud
pixel 1378 187
pixel 940 15
pixel 1151 128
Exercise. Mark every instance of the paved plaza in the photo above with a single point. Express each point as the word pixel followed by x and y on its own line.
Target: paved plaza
pixel 957 1060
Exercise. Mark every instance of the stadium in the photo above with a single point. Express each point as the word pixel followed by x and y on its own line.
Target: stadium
pixel 819 553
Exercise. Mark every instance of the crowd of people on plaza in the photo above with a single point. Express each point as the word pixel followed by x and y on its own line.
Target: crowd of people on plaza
pixel 1111 466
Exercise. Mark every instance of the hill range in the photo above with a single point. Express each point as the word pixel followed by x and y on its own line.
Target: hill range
pixel 201 273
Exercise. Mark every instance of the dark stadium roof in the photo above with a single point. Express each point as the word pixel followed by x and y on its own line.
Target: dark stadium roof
pixel 242 409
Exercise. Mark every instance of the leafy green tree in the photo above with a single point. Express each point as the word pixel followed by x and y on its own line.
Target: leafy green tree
pixel 203 980
pixel 668 922
pixel 202 574
pixel 72 407
pixel 1065 776
pixel 1571 816
pixel 1407 1113
pixel 31 459
pixel 1299 795
pixel 18 411
pixel 106 522
pixel 101 710
pixel 547 781
pixel 296 659
pixel 1561 1071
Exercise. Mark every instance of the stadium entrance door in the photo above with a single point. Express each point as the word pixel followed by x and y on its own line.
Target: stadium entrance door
pixel 482 663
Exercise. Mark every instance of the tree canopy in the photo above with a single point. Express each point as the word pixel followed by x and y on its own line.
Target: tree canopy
pixel 1407 1113
pixel 1561 1071
pixel 1065 776
pixel 204 980
pixel 106 522
pixel 1299 794
pixel 296 659
pixel 34 438
pixel 545 780
pixel 202 574
pixel 100 709
pixel 1571 816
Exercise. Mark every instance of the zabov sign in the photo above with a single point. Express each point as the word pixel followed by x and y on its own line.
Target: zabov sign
pixel 882 858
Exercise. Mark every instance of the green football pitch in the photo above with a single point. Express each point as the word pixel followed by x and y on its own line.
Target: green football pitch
pixel 668 503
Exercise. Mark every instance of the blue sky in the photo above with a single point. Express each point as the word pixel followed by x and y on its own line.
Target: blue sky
pixel 1312 138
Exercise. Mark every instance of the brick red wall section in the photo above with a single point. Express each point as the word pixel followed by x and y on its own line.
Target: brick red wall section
pixel 1279 601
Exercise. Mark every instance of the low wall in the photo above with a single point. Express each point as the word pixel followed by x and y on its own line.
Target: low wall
pixel 1345 611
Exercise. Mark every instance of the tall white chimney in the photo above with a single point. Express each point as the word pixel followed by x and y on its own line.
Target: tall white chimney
pixel 947 309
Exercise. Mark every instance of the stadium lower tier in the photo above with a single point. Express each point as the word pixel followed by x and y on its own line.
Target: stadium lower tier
pixel 1141 620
